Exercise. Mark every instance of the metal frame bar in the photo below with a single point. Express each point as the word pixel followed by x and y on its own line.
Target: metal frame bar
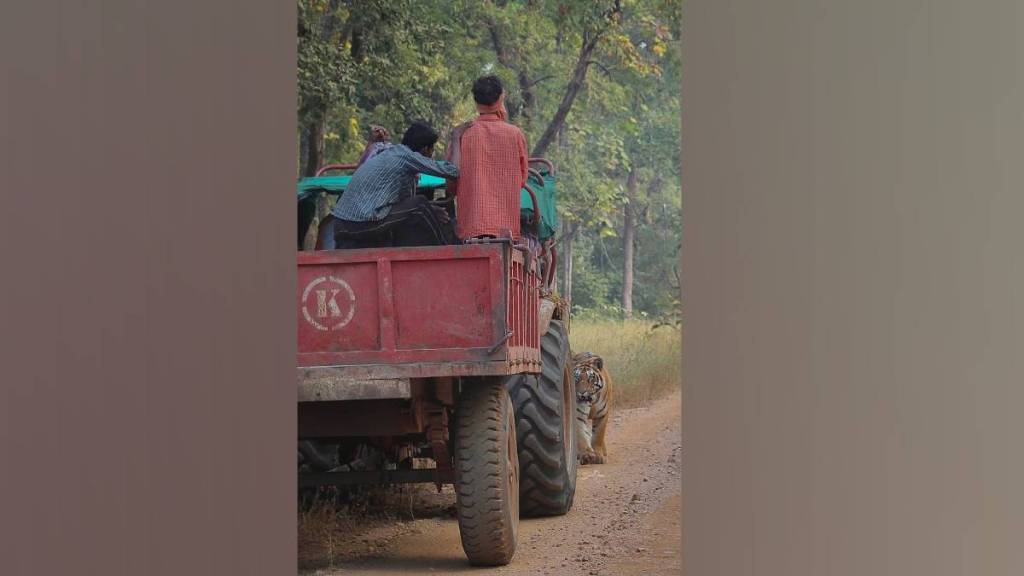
pixel 550 165
pixel 330 167
pixel 370 477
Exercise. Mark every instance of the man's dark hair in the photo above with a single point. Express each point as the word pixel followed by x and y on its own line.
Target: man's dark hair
pixel 487 90
pixel 420 135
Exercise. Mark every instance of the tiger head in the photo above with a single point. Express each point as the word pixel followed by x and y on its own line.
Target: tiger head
pixel 587 368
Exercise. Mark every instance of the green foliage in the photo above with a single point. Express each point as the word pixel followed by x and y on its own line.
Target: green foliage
pixel 390 62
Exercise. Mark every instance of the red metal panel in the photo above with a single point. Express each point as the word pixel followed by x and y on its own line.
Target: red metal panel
pixel 418 312
pixel 338 308
pixel 387 304
pixel 444 304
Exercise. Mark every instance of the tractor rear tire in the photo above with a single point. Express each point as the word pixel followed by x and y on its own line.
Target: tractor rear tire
pixel 545 407
pixel 487 473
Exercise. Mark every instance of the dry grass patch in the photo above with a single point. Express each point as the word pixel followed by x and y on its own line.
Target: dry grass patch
pixel 645 362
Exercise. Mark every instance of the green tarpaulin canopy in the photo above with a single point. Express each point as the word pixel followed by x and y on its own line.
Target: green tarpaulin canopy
pixel 545 192
pixel 337 184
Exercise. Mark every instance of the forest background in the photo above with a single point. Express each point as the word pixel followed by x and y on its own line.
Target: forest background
pixel 594 84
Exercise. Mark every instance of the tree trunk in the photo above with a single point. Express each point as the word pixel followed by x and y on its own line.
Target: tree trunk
pixel 628 244
pixel 570 235
pixel 579 74
pixel 303 151
pixel 502 53
pixel 313 133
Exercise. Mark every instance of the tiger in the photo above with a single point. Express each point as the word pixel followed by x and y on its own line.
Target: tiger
pixel 593 404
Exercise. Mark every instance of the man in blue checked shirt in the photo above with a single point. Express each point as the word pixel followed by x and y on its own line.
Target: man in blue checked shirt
pixel 380 201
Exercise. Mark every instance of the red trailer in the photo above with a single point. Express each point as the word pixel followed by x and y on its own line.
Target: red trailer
pixel 458 354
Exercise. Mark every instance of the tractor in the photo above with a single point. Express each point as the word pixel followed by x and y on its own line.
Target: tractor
pixel 452 362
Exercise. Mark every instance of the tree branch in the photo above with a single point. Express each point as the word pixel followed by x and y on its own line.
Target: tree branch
pixel 501 52
pixel 330 18
pixel 591 37
pixel 570 234
pixel 541 79
pixel 579 74
pixel 604 68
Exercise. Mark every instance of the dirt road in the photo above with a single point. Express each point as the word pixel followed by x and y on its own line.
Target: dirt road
pixel 625 521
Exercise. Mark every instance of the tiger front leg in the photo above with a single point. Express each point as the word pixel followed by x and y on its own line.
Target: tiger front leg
pixel 599 448
pixel 584 433
pixel 600 414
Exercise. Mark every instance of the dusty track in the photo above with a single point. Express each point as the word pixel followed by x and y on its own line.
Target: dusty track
pixel 625 520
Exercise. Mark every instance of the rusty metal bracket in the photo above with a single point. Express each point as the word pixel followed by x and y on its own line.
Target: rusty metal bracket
pixel 498 344
pixel 437 435
pixel 444 390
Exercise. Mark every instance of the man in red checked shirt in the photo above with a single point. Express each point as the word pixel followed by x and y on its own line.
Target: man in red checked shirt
pixel 492 160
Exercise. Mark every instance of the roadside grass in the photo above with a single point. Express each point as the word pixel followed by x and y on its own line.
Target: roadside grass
pixel 318 527
pixel 645 362
pixel 330 518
